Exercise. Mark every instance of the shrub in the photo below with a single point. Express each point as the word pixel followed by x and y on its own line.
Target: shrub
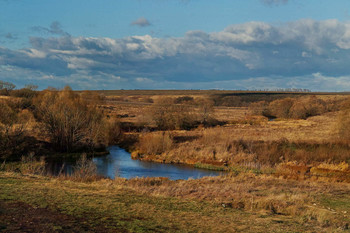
pixel 305 107
pixel 8 116
pixel 279 108
pixel 32 165
pixel 92 97
pixel 257 108
pixel 232 101
pixel 24 93
pixel 69 121
pixel 300 108
pixel 6 87
pixel 184 99
pixel 12 130
pixel 155 143
pixel 169 116
pixel 85 170
pixel 113 131
pixel 205 111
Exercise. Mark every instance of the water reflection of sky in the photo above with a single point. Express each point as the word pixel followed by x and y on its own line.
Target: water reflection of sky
pixel 119 163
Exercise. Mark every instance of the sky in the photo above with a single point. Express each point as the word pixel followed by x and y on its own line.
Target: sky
pixel 176 44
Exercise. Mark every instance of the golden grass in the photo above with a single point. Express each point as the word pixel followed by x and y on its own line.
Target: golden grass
pixel 240 120
pixel 297 149
pixel 318 129
pixel 134 102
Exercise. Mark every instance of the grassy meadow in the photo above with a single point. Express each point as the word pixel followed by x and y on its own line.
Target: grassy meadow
pixel 286 154
pixel 217 204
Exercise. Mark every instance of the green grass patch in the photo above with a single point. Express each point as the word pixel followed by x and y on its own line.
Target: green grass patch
pixel 337 203
pixel 210 167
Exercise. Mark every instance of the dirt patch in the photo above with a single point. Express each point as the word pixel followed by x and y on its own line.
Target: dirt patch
pixel 21 217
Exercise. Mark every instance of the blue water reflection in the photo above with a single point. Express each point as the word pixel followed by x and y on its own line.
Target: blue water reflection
pixel 119 163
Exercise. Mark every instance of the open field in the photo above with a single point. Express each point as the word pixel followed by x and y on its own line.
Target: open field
pixel 133 105
pixel 224 204
pixel 206 92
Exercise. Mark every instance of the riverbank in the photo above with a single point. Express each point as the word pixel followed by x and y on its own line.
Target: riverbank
pixel 292 148
pixel 225 204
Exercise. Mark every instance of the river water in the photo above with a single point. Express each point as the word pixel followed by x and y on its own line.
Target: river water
pixel 119 163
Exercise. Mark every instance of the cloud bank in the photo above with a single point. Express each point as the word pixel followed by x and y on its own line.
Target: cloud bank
pixel 302 54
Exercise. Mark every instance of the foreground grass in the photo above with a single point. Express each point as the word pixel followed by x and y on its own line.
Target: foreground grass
pixel 159 205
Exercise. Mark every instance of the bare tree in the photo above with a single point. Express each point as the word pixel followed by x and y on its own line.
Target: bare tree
pixel 6 87
pixel 169 116
pixel 31 87
pixel 69 121
pixel 206 110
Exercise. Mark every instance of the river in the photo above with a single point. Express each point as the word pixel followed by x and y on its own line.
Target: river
pixel 118 163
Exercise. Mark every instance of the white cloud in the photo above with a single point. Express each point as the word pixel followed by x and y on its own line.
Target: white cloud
pixel 238 53
pixel 305 54
pixel 141 79
pixel 34 53
pixel 79 63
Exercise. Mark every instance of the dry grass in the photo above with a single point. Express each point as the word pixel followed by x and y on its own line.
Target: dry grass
pixel 318 128
pixel 315 130
pixel 155 143
pixel 245 191
pixel 259 144
pixel 84 170
pixel 31 165
pixel 226 203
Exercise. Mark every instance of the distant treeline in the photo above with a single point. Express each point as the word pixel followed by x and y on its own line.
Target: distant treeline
pixel 283 90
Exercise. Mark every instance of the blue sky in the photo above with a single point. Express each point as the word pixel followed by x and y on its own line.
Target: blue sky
pixel 176 44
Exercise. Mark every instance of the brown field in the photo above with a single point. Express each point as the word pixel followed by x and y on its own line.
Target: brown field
pixel 289 174
pixel 241 122
pixel 205 92
pixel 135 103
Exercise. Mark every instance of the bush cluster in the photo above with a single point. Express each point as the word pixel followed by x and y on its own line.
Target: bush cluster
pixel 295 108
pixel 13 122
pixel 71 122
pixel 65 119
pixel 182 113
pixel 155 143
